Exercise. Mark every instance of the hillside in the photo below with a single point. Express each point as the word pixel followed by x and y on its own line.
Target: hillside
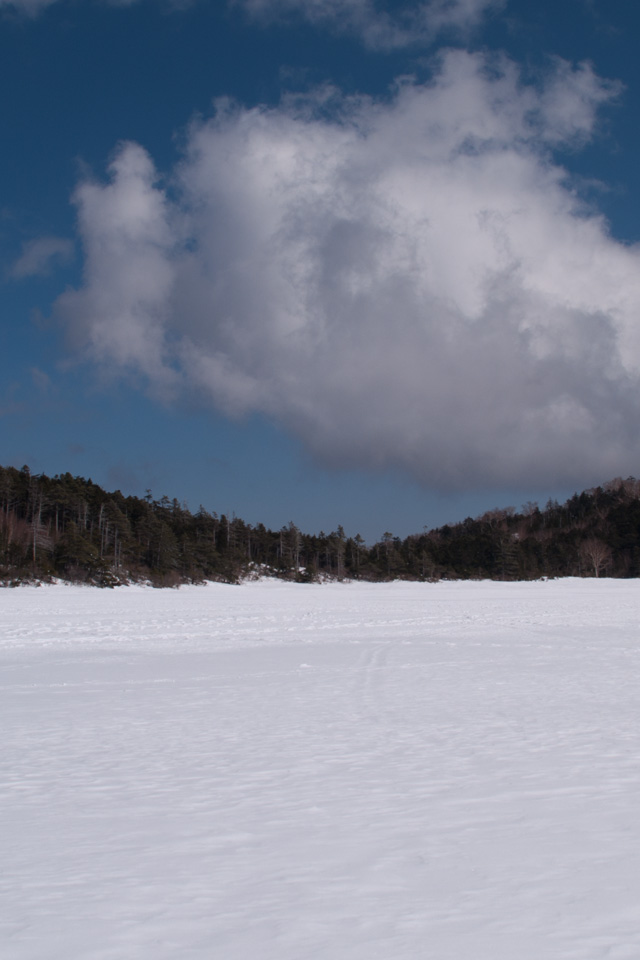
pixel 69 527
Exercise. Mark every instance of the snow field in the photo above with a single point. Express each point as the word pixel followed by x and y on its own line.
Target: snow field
pixel 338 772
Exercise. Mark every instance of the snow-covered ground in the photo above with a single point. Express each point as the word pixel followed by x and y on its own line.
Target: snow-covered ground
pixel 339 772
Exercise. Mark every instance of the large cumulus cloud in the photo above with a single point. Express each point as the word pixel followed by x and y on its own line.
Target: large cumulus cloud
pixel 411 283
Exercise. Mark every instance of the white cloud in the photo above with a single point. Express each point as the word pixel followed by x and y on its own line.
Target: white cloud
pixel 120 313
pixel 411 284
pixel 379 25
pixel 29 7
pixel 40 256
pixel 410 23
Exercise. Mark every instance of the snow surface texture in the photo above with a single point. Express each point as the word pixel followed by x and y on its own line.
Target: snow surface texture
pixel 343 772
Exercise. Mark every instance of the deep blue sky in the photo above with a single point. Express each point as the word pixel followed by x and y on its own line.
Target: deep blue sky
pixel 81 78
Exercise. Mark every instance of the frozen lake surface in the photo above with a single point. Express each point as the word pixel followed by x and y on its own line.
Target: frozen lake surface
pixel 339 772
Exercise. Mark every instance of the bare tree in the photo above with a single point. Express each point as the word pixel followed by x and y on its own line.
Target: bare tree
pixel 597 554
pixel 359 544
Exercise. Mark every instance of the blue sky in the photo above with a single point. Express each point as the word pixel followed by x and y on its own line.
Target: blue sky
pixel 329 261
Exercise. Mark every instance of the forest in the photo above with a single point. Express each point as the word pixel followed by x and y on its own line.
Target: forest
pixel 69 528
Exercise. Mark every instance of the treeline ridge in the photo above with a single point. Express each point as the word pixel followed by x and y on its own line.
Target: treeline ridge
pixel 70 528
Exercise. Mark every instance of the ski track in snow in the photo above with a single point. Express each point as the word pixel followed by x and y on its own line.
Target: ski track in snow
pixel 340 772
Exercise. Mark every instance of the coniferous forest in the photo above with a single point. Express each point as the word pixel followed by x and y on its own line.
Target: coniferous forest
pixel 68 527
